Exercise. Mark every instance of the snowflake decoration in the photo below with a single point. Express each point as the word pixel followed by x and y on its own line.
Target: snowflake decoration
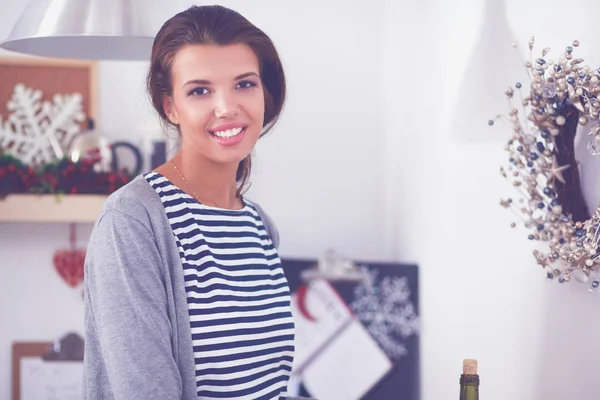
pixel 36 132
pixel 384 307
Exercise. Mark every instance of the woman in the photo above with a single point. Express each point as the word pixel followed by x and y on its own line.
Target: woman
pixel 185 294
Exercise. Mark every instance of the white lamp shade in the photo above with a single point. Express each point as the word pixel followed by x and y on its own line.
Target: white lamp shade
pixel 89 29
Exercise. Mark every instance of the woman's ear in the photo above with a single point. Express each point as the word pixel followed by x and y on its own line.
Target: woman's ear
pixel 170 111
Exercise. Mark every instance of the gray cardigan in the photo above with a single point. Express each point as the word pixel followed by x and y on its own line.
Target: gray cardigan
pixel 138 342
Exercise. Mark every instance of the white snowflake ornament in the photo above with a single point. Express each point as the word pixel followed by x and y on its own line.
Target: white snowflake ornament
pixel 385 309
pixel 36 132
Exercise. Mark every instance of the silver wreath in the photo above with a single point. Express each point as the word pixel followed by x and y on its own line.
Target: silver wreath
pixel 562 100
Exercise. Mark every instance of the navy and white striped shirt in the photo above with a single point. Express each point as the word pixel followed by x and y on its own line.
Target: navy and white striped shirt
pixel 238 297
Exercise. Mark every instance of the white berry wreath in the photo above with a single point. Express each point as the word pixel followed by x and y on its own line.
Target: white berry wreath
pixel 564 95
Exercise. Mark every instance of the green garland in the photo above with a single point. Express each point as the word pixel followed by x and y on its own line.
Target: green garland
pixel 61 177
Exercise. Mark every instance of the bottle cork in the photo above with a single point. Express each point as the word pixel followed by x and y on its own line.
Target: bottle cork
pixel 470 367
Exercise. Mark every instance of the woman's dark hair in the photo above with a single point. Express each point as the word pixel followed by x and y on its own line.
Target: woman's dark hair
pixel 218 26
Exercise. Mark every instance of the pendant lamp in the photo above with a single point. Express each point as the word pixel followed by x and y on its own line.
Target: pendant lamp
pixel 89 29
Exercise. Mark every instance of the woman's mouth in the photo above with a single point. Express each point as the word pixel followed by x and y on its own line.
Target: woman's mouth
pixel 229 137
pixel 228 133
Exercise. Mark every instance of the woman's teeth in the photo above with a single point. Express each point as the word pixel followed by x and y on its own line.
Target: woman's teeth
pixel 228 133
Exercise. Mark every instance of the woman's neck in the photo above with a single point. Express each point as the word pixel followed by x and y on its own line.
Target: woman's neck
pixel 211 183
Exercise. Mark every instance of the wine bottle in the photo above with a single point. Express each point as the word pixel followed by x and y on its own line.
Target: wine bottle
pixel 469 381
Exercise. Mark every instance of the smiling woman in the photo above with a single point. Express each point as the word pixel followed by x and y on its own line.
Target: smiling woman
pixel 185 294
pixel 235 74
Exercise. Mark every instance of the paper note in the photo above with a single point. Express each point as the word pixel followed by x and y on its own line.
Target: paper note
pixel 51 380
pixel 336 356
pixel 348 368
pixel 318 317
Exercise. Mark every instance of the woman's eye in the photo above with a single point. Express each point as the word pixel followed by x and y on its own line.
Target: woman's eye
pixel 246 84
pixel 198 92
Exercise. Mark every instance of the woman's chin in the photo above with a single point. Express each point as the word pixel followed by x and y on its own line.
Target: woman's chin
pixel 230 159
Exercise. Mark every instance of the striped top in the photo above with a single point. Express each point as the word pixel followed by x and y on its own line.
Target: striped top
pixel 238 297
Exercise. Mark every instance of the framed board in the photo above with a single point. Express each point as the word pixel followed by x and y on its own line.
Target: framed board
pixel 50 76
pixel 20 351
pixel 48 370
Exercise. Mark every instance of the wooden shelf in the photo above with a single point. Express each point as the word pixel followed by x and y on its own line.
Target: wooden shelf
pixel 76 208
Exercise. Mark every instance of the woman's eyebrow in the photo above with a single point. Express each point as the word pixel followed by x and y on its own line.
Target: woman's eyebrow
pixel 207 82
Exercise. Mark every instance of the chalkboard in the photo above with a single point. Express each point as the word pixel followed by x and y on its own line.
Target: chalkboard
pixel 394 289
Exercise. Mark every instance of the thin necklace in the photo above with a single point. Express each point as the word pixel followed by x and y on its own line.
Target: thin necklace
pixel 186 182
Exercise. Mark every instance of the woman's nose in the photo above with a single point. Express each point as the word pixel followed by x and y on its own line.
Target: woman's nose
pixel 226 106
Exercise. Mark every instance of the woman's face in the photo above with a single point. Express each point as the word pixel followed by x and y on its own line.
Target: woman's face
pixel 217 101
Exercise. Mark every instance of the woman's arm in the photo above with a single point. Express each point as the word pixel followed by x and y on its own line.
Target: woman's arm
pixel 128 348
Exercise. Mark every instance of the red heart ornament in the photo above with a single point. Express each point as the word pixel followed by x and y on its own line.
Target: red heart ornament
pixel 69 265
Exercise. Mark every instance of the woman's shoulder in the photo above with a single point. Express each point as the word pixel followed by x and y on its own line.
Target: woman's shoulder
pixel 267 221
pixel 136 199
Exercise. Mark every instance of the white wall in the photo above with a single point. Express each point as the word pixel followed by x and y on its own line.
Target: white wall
pixel 482 294
pixel 390 101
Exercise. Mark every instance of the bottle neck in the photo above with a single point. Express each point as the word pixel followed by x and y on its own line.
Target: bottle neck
pixel 469 387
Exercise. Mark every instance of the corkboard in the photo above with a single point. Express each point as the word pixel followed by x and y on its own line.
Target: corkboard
pixel 50 76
